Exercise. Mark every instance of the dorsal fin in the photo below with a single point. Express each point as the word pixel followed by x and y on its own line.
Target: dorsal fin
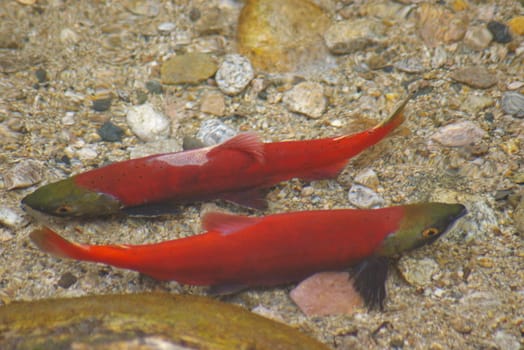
pixel 227 223
pixel 248 142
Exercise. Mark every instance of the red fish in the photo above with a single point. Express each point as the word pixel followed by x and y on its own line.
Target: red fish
pixel 238 252
pixel 236 170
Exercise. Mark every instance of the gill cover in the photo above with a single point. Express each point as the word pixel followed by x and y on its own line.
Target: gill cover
pixel 66 198
pixel 422 224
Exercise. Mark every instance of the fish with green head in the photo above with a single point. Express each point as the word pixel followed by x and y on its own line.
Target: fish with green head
pixel 239 252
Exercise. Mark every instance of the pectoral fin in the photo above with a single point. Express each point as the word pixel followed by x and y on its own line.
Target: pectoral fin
pixel 369 278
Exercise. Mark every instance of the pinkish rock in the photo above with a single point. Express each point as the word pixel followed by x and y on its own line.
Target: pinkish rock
pixel 327 293
pixel 459 134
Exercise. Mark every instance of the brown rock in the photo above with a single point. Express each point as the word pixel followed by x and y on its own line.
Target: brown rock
pixel 190 68
pixel 437 25
pixel 327 293
pixel 213 103
pixel 475 76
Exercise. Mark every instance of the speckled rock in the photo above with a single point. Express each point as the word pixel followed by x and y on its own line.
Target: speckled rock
pixel 234 74
pixel 12 218
pixel 23 174
pixel 478 38
pixel 353 35
pixel 147 123
pixel 418 272
pixel 148 8
pixel 513 103
pixel 213 132
pixel 459 134
pixel 306 98
pixel 190 68
pixel 213 103
pixel 364 197
pixel 436 24
pixel 327 293
pixel 475 76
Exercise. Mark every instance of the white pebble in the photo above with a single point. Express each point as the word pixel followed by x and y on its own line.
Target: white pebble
pixel 306 98
pixel 234 74
pixel 166 27
pixel 367 177
pixel 148 124
pixel 11 218
pixel 364 197
pixel 88 152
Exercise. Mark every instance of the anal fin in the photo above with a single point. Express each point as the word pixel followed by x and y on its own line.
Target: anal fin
pixel 369 278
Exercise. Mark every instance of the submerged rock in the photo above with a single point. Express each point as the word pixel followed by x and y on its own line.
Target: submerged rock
pixel 24 174
pixel 119 321
pixel 148 124
pixel 306 98
pixel 190 68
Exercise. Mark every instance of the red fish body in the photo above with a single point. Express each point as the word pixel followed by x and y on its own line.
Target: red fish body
pixel 239 251
pixel 236 170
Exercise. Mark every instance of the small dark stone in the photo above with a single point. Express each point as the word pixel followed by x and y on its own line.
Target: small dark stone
pixel 489 117
pixel 387 69
pixel 194 14
pixel 263 95
pixel 423 91
pixel 501 195
pixel 65 160
pixel 141 97
pixel 102 104
pixel 500 32
pixel 41 75
pixel 67 280
pixel 154 87
pixel 110 132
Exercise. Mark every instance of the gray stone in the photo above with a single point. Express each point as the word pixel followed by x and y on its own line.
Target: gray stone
pixel 459 134
pixel 23 174
pixel 478 38
pixel 513 103
pixel 213 132
pixel 418 272
pixel 364 197
pixel 234 74
pixel 353 35
pixel 147 123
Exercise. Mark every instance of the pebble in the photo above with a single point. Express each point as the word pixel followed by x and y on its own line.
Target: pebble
pixel 478 38
pixel 234 74
pixel 500 32
pixel 147 123
pixel 155 147
pixel 88 152
pixel 506 341
pixel 518 217
pixel 148 8
pixel 364 197
pixel 475 76
pixel 418 272
pixel 213 131
pixel 166 27
pixel 477 103
pixel 12 218
pixel 24 174
pixel 327 293
pixel 459 134
pixel 154 87
pixel 67 280
pixel 513 103
pixel 267 313
pixel 516 25
pixel 354 35
pixel 367 177
pixel 306 98
pixel 436 25
pixel 190 68
pixel 110 132
pixel 69 37
pixel 410 65
pixel 213 103
pixel 102 103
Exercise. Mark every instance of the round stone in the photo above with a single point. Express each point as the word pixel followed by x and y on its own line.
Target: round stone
pixel 234 74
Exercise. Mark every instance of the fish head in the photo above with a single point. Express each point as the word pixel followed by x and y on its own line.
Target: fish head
pixel 422 224
pixel 66 198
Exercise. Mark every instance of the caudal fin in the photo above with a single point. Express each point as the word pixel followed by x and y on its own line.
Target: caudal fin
pixel 51 242
pixel 396 118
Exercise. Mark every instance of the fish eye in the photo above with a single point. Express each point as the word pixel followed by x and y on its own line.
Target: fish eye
pixel 430 232
pixel 64 209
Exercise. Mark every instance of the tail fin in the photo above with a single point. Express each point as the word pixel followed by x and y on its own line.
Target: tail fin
pixel 396 118
pixel 51 242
